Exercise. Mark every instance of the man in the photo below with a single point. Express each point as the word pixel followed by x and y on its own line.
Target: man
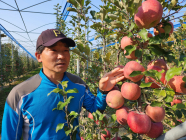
pixel 28 109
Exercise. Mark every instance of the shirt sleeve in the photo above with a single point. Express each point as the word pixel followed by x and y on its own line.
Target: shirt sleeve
pixel 11 124
pixel 92 103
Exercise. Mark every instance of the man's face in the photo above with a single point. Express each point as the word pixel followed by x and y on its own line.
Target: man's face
pixel 55 59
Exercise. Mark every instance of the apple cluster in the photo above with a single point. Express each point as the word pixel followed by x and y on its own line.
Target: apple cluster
pixel 149 15
pixel 148 122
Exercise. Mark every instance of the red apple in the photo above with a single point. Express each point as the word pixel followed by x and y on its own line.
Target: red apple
pixel 132 55
pixel 154 85
pixel 133 66
pixel 139 122
pixel 161 30
pixel 82 138
pixel 125 41
pixel 121 115
pixel 177 101
pixel 130 91
pixel 159 62
pixel 149 14
pixel 156 130
pixel 156 113
pixel 114 99
pixel 104 136
pixel 177 84
pixel 172 103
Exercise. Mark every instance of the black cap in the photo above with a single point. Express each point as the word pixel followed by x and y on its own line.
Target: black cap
pixel 51 36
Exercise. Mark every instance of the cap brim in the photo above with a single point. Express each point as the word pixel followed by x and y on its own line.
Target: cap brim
pixel 69 41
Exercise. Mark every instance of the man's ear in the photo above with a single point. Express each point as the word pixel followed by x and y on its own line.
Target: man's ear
pixel 38 57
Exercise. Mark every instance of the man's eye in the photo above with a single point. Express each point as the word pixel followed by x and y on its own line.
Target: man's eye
pixel 54 50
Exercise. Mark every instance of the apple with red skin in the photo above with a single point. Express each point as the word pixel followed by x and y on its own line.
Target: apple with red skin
pixel 177 101
pixel 177 84
pixel 132 55
pixel 125 41
pixel 149 14
pixel 156 130
pixel 161 30
pixel 118 138
pixel 156 113
pixel 114 99
pixel 154 85
pixel 130 91
pixel 159 62
pixel 139 122
pixel 172 103
pixel 133 66
pixel 82 138
pixel 121 115
pixel 104 136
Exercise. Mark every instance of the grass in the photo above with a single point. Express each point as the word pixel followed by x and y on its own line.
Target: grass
pixel 6 90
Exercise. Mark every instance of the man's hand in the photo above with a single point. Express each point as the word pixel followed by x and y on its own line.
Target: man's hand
pixel 109 80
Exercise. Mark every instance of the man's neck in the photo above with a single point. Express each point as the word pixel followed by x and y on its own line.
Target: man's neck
pixel 54 77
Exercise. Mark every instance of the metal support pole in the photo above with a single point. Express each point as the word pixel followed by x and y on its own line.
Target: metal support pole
pixel 12 56
pixel 1 80
pixel 78 67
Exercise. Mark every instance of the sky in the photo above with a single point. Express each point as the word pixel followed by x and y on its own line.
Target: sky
pixel 30 20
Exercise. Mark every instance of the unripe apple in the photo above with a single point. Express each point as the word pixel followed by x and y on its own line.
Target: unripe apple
pixel 161 30
pixel 125 41
pixel 130 91
pixel 139 122
pixel 154 85
pixel 156 130
pixel 177 84
pixel 156 113
pixel 159 62
pixel 149 14
pixel 133 66
pixel 104 136
pixel 114 99
pixel 121 115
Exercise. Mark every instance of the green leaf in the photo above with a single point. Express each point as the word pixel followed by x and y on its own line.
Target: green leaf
pixel 93 14
pixel 98 24
pixel 104 132
pixel 113 16
pixel 71 9
pixel 184 26
pixel 138 52
pixel 178 106
pixel 156 50
pixel 178 114
pixel 72 90
pixel 172 72
pixel 129 49
pixel 155 103
pixel 73 113
pixel 59 126
pixel 131 26
pixel 143 33
pixel 67 130
pixel 170 91
pixel 135 73
pixel 160 93
pixel 56 90
pixel 144 85
pixel 64 84
pixel 113 117
pixel 184 42
pixel 184 112
pixel 169 98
